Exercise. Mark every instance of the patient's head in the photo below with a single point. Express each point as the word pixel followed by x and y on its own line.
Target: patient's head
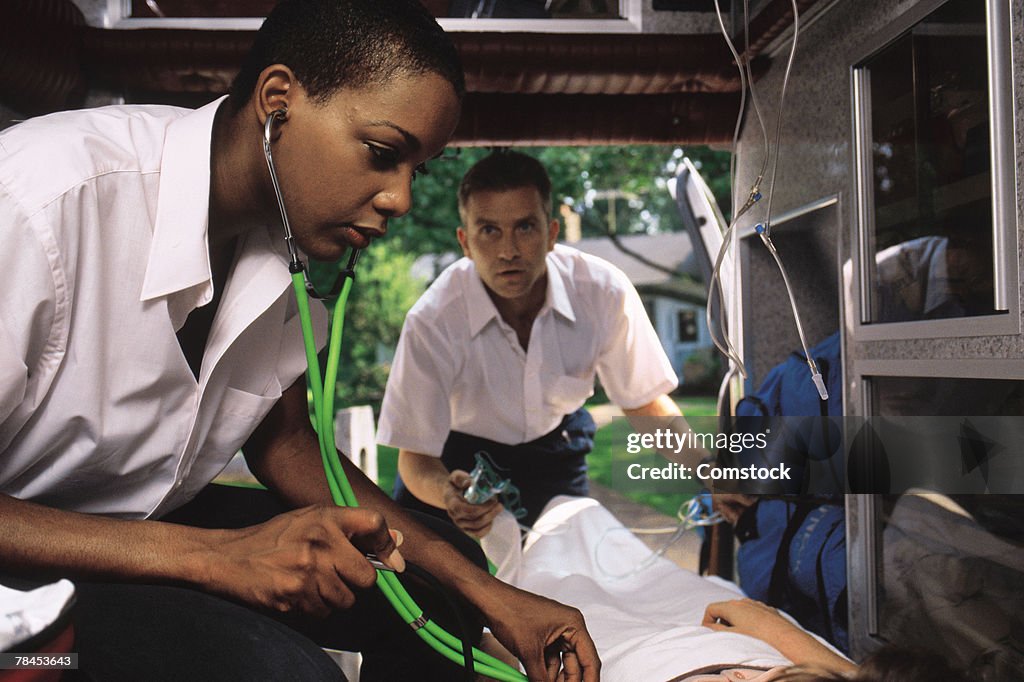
pixel 889 664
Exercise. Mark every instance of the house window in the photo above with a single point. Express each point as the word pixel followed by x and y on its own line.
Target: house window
pixel 688 330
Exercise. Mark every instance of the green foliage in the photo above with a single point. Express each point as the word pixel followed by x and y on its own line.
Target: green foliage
pixel 610 439
pixel 583 177
pixel 580 176
pixel 702 371
pixel 383 292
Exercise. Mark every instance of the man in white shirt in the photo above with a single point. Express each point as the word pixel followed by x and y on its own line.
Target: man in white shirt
pixel 148 330
pixel 501 352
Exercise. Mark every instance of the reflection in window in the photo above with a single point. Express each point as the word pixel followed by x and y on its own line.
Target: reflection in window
pixel 534 9
pixel 931 170
pixel 950 568
pixel 945 397
pixel 479 9
pixel 951 579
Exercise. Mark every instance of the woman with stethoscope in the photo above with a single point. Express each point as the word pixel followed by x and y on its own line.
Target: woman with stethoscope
pixel 149 330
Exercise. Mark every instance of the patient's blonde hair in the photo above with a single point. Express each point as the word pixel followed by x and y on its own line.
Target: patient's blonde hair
pixel 888 664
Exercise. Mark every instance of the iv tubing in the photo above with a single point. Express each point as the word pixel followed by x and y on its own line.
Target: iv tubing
pixel 763 230
pixel 778 134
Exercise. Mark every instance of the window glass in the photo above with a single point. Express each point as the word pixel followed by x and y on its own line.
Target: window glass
pixel 478 9
pixel 931 170
pixel 688 326
pixel 950 568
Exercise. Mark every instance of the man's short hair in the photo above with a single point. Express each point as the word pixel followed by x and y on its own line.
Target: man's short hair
pixel 336 44
pixel 502 171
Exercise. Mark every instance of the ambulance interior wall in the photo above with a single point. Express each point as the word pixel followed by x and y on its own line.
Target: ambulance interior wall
pixel 815 162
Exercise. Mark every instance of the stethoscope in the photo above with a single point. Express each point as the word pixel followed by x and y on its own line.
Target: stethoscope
pixel 446 644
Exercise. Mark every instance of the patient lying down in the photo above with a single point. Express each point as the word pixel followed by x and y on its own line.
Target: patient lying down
pixel 663 623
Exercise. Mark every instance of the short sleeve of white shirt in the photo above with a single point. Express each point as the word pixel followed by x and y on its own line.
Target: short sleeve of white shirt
pixel 27 308
pixel 99 411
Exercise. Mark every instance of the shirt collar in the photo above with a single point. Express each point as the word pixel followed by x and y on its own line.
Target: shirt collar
pixel 557 296
pixel 482 309
pixel 179 256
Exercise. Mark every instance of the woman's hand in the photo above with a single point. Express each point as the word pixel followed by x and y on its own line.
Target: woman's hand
pixel 731 505
pixel 749 617
pixel 309 560
pixel 550 639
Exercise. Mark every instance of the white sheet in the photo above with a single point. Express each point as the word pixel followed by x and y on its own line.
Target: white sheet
pixel 647 625
pixel 25 614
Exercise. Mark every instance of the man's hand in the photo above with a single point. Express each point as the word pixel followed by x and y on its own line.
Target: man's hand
pixel 549 638
pixel 474 519
pixel 731 505
pixel 309 560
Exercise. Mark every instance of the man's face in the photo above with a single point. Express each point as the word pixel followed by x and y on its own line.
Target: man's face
pixel 508 234
pixel 346 166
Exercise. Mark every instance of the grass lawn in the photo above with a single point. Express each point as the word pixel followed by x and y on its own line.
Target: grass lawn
pixel 614 435
pixel 600 460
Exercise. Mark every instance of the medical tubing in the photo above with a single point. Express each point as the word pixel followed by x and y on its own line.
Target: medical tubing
pixel 330 381
pixel 725 345
pixel 778 125
pixel 753 94
pixel 294 263
pixel 796 314
pixel 816 378
pixel 743 102
pixel 430 632
pixel 312 364
pixel 688 519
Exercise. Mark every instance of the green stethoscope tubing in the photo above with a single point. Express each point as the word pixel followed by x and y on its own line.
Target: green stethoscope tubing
pixel 433 634
pixel 322 389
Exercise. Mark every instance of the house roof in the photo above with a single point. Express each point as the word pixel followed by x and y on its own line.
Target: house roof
pixel 670 250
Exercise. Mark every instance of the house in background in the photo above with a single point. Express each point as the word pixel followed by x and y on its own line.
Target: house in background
pixel 674 302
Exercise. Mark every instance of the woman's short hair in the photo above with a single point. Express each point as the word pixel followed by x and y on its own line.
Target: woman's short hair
pixel 335 44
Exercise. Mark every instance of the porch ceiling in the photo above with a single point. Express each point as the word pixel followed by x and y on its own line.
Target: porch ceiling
pixel 537 88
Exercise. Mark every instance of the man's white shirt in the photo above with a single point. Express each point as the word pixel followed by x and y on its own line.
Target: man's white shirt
pixel 104 218
pixel 459 366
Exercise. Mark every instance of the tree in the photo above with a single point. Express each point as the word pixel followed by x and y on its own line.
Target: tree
pixel 383 291
pixel 578 175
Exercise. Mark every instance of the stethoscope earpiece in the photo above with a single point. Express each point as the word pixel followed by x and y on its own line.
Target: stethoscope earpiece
pixel 295 264
pixel 268 126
